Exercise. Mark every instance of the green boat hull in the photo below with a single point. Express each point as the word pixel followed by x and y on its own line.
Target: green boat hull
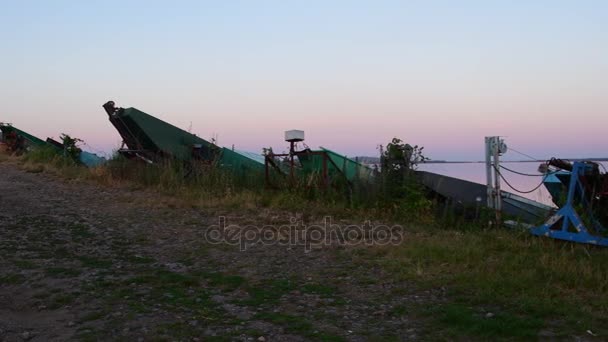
pixel 156 139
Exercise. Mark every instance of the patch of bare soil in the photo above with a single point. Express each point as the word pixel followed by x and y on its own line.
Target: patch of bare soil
pixel 79 261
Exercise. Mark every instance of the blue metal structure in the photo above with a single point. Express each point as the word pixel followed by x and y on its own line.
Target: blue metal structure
pixel 566 223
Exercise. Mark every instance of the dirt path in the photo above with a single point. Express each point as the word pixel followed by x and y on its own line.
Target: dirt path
pixel 79 261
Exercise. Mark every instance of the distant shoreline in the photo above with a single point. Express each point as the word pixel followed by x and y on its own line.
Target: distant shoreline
pixel 512 161
pixel 374 160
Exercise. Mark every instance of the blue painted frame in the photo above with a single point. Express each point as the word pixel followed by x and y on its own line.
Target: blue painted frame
pixel 571 218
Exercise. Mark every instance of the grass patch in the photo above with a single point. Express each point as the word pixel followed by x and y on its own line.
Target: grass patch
pixel 294 324
pixel 25 264
pixel 34 168
pixel 42 295
pixel 88 334
pixel 173 278
pixel 399 311
pixel 320 289
pixel 224 281
pixel 169 288
pixel 532 282
pixel 184 331
pixel 93 316
pixel 80 231
pixel 62 272
pixel 298 325
pixel 464 320
pixel 12 279
pixel 62 253
pixel 94 262
pixel 47 159
pixel 137 259
pixel 164 277
pixel 153 289
pixel 62 300
pixel 269 292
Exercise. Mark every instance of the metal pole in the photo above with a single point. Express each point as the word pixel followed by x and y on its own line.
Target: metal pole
pixel 325 176
pixel 497 195
pixel 292 164
pixel 489 182
pixel 266 172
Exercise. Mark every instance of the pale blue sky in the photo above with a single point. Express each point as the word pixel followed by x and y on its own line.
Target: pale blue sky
pixel 352 74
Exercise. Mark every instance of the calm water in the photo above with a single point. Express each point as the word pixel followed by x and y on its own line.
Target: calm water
pixel 476 172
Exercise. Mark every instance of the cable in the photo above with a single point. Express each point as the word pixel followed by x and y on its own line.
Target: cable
pixel 512 187
pixel 529 174
pixel 523 154
pixel 523 174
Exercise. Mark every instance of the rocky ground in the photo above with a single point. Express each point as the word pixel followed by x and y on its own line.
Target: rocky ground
pixel 82 261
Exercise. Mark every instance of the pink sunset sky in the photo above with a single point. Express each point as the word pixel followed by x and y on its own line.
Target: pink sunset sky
pixel 352 74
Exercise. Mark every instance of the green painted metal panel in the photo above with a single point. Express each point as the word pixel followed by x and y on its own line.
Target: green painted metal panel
pixel 337 164
pixel 311 162
pixel 144 131
pixel 155 134
pixel 350 168
pixel 31 140
pixel 239 161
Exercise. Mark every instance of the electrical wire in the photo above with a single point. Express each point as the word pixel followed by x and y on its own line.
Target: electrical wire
pixel 528 174
pixel 521 173
pixel 512 187
pixel 523 154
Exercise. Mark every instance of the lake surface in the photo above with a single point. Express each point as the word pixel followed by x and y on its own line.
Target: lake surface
pixel 476 172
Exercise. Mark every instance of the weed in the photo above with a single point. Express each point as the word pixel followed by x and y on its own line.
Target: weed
pixel 137 259
pixel 224 281
pixel 25 264
pixel 399 311
pixel 298 325
pixel 61 272
pixel 80 231
pixel 294 324
pixel 393 195
pixel 62 300
pixel 268 292
pixel 319 289
pixel 12 279
pixel 93 316
pixel 94 262
pixel 463 320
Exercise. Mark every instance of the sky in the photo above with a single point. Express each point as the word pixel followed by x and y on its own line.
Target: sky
pixel 351 74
